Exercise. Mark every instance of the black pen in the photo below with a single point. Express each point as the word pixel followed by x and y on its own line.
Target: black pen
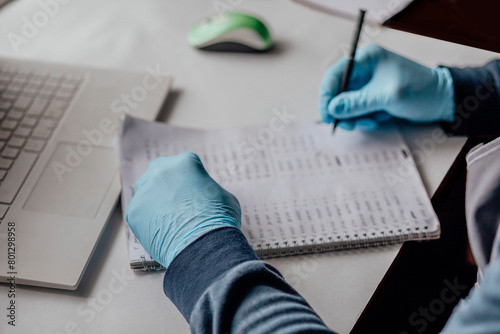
pixel 346 76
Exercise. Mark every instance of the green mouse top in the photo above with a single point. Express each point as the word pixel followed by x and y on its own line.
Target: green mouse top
pixel 230 31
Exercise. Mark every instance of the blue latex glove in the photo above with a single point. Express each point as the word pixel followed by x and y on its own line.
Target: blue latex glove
pixel 175 202
pixel 385 85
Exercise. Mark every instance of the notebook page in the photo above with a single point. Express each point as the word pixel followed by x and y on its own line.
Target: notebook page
pixel 298 186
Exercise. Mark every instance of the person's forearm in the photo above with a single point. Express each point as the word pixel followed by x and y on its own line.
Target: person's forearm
pixel 477 100
pixel 220 286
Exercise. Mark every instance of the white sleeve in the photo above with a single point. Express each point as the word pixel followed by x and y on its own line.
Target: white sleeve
pixel 480 312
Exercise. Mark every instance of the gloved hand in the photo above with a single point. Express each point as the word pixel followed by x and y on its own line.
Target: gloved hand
pixel 385 85
pixel 175 202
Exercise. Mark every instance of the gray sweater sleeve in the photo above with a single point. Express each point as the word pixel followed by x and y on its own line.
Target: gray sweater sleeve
pixel 477 100
pixel 220 286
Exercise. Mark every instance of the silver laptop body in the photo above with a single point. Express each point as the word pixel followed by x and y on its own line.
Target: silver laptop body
pixel 58 167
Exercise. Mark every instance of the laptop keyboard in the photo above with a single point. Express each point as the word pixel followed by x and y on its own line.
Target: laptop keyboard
pixel 32 102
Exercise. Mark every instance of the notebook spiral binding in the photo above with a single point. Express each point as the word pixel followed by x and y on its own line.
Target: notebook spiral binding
pixel 324 244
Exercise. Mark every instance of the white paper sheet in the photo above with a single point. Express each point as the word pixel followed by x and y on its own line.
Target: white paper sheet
pixel 300 188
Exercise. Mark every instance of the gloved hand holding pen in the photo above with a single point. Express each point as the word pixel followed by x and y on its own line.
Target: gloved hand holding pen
pixel 385 85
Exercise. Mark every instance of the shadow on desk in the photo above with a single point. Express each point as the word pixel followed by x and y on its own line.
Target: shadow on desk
pixel 427 279
pixel 169 105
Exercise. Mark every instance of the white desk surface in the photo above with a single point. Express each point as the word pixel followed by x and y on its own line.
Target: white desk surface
pixel 211 90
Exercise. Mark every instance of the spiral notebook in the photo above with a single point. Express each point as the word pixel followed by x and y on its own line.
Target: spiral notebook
pixel 301 189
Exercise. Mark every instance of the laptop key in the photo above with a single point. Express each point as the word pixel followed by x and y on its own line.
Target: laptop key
pixel 63 95
pixel 33 84
pixel 16 176
pixel 4 134
pixel 22 132
pixel 21 78
pixel 15 114
pixel 9 96
pixel 9 125
pixel 2 174
pixel 22 102
pixel 29 91
pixel 55 109
pixel 4 81
pixel 29 121
pixel 47 91
pixel 56 75
pixel 74 78
pixel 53 80
pixel 5 163
pixel 34 145
pixel 41 133
pixel 5 105
pixel 10 71
pixel 3 210
pixel 10 152
pixel 13 90
pixel 38 107
pixel 47 123
pixel 40 73
pixel 69 86
pixel 55 114
pixel 16 142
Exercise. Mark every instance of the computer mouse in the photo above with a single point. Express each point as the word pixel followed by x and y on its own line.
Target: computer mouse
pixel 230 32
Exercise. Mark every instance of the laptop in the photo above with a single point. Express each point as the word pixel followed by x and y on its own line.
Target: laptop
pixel 59 179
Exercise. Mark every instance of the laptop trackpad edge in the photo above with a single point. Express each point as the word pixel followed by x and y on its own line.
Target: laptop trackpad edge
pixel 74 181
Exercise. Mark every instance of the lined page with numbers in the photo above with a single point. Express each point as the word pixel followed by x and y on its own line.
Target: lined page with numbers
pixel 300 188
